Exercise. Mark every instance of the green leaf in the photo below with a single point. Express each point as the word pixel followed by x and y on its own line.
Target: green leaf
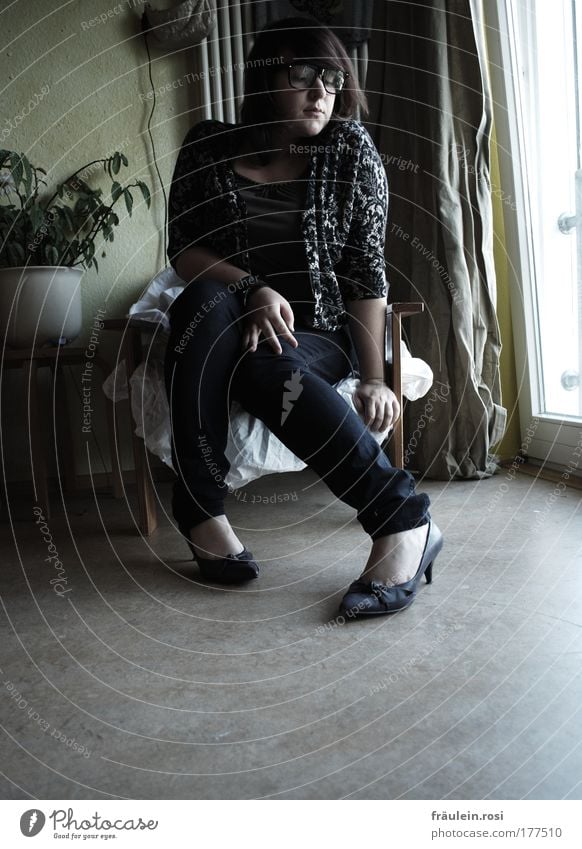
pixel 70 217
pixel 116 162
pixel 17 167
pixel 28 176
pixel 80 203
pixel 94 261
pixel 145 192
pixel 73 251
pixel 36 217
pixel 124 159
pixel 67 219
pixel 128 200
pixel 18 252
pixel 93 204
pixel 116 192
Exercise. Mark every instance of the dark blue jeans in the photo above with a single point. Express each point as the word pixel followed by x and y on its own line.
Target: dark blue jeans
pixel 292 393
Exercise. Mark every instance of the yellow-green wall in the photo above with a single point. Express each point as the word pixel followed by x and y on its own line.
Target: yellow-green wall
pixel 509 445
pixel 87 79
pixel 96 74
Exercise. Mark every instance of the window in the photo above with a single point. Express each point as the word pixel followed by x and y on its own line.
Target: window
pixel 535 59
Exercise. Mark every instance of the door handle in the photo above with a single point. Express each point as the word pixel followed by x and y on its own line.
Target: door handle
pixel 567 223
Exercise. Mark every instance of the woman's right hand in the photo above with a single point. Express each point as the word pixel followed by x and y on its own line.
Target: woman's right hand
pixel 268 313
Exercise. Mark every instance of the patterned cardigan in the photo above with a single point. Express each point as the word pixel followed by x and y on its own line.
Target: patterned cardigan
pixel 343 223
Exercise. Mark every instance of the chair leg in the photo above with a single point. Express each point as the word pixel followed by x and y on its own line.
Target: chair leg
pixel 394 314
pixel 148 519
pixel 37 446
pixel 397 432
pixel 116 473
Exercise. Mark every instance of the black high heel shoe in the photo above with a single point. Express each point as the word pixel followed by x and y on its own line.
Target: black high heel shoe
pixel 232 569
pixel 372 598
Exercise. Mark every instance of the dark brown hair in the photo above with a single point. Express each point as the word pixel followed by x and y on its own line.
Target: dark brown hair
pixel 304 38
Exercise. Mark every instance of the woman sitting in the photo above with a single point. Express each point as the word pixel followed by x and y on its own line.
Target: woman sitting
pixel 277 225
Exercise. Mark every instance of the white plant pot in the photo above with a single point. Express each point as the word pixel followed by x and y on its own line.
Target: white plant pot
pixel 40 305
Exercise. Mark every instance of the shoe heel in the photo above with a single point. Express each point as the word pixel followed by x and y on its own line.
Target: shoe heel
pixel 186 534
pixel 428 574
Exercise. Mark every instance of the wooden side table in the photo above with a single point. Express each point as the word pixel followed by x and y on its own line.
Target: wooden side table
pixel 32 360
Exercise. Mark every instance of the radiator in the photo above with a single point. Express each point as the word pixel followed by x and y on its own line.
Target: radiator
pixel 225 50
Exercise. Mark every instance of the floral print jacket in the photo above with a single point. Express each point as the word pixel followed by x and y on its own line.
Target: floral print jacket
pixel 343 223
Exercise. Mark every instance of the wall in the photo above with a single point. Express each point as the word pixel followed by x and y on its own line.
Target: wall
pixel 83 66
pixel 510 444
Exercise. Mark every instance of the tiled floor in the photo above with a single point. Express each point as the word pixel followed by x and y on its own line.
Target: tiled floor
pixel 130 679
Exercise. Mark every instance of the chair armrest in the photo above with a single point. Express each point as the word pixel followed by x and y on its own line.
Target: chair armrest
pixel 394 314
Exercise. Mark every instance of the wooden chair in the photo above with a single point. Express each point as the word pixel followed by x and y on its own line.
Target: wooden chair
pixel 393 369
pixel 132 348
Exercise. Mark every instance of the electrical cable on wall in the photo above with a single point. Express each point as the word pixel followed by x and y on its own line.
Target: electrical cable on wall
pixel 144 24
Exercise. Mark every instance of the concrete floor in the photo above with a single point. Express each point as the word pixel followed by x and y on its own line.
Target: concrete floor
pixel 137 681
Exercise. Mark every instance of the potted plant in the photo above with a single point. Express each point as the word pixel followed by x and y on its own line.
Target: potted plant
pixel 46 240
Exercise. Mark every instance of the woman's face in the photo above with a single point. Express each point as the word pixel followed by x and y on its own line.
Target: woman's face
pixel 305 110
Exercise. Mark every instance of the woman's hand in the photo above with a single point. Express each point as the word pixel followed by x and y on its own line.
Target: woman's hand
pixel 268 313
pixel 376 404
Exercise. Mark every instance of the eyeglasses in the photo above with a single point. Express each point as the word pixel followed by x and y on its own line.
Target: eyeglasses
pixel 303 76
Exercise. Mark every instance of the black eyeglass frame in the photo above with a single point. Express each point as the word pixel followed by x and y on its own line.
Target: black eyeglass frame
pixel 319 75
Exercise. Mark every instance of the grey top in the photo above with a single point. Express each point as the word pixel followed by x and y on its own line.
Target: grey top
pixel 275 240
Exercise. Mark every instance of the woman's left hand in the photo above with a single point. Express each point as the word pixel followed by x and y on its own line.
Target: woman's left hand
pixel 376 404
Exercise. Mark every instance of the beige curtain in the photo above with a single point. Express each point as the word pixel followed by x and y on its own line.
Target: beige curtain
pixel 431 121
